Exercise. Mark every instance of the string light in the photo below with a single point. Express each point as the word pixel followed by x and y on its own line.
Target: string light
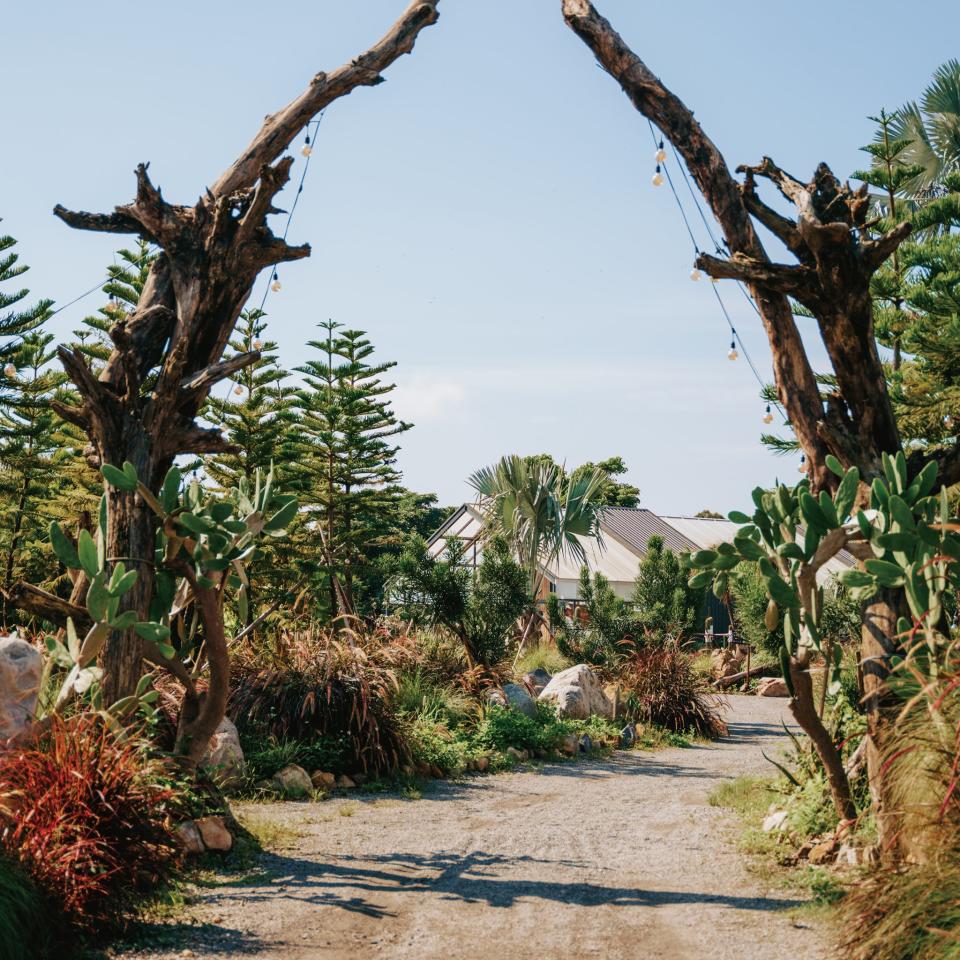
pixel 10 370
pixel 661 154
pixel 257 344
pixel 657 180
pixel 276 286
pixel 732 354
pixel 695 274
pixel 238 390
pixel 306 150
pixel 803 463
pixel 768 416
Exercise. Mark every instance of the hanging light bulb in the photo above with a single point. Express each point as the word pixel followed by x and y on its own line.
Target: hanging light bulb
pixel 803 463
pixel 276 286
pixel 695 274
pixel 10 370
pixel 238 390
pixel 657 180
pixel 768 416
pixel 732 354
pixel 306 150
pixel 661 154
pixel 257 344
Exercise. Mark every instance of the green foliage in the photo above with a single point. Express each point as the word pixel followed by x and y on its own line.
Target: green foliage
pixel 666 606
pixel 501 728
pixel 265 756
pixel 480 608
pixel 599 630
pixel 542 656
pixel 25 919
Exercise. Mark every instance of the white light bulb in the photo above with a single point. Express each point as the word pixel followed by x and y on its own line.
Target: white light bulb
pixel 306 150
pixel 768 417
pixel 803 465
pixel 657 180
pixel 695 274
pixel 732 355
pixel 276 286
pixel 238 390
pixel 660 155
pixel 257 344
pixel 10 370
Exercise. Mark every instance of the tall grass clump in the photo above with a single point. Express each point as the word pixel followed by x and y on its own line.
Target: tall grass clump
pixel 659 685
pixel 86 815
pixel 320 685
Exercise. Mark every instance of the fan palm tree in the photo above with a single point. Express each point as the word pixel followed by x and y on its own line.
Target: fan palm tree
pixel 932 128
pixel 539 511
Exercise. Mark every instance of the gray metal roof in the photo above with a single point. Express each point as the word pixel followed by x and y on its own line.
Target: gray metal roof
pixel 634 528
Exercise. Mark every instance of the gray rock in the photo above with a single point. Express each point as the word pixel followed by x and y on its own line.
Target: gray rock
pixel 570 745
pixel 496 697
pixel 519 699
pixel 628 736
pixel 775 821
pixel 586 744
pixel 224 755
pixel 772 687
pixel 188 836
pixel 21 667
pixel 293 782
pixel 536 680
pixel 577 694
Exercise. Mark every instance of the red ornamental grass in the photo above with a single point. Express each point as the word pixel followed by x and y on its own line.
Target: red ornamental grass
pixel 87 816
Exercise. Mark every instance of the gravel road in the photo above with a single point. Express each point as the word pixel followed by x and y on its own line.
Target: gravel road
pixel 615 859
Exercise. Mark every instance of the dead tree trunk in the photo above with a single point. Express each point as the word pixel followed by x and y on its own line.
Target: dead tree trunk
pixel 831 277
pixel 167 354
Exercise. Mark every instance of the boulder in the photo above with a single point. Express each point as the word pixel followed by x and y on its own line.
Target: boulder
pixel 772 687
pixel 21 667
pixel 775 821
pixel 536 680
pixel 586 744
pixel 519 699
pixel 482 764
pixel 224 755
pixel 822 852
pixel 577 694
pixel 214 834
pixel 496 697
pixel 187 834
pixel 322 780
pixel 518 755
pixel 293 782
pixel 570 745
pixel 345 783
pixel 628 736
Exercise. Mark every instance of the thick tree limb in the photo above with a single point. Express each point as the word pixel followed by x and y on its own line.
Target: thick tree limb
pixel 200 383
pixel 783 278
pixel 279 129
pixel 97 222
pixel 875 252
pixel 47 606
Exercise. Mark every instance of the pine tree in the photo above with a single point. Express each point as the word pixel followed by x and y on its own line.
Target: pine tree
pixel 348 458
pixel 15 322
pixel 123 288
pixel 29 454
pixel 257 416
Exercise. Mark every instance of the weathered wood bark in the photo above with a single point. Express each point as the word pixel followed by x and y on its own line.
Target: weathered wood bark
pixel 834 262
pixel 167 355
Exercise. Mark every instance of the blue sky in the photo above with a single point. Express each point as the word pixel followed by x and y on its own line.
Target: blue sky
pixel 486 214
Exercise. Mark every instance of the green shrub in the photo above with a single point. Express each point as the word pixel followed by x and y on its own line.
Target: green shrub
pixel 419 695
pixel 666 606
pixel 544 656
pixel 502 727
pixel 25 919
pixel 265 756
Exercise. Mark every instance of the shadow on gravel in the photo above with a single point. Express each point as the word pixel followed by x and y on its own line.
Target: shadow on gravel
pixel 351 883
pixel 148 937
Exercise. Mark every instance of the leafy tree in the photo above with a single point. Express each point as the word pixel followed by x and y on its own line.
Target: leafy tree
pixel 538 511
pixel 666 605
pixel 709 515
pixel 613 492
pixel 347 458
pixel 601 627
pixel 481 609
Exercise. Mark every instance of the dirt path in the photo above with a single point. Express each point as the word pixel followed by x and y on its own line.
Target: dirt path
pixel 617 859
